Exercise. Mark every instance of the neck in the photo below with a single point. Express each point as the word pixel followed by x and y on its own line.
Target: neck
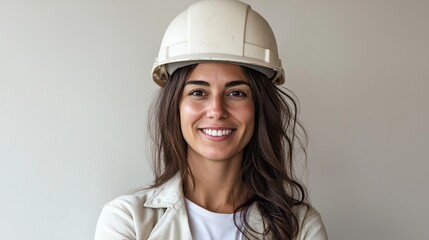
pixel 215 186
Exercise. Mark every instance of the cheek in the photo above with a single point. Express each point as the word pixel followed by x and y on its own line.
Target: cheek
pixel 250 127
pixel 189 112
pixel 247 112
pixel 250 118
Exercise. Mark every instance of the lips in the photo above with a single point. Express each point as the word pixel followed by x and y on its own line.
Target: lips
pixel 217 132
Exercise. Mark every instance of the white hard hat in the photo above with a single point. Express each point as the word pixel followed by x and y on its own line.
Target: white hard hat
pixel 218 30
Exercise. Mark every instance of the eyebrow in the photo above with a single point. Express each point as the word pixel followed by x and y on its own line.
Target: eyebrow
pixel 228 84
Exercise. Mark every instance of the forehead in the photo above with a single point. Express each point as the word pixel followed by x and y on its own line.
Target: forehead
pixel 217 72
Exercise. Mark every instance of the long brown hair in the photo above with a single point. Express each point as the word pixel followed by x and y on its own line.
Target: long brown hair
pixel 267 172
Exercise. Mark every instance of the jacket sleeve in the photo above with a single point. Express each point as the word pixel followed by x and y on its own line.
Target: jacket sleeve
pixel 116 221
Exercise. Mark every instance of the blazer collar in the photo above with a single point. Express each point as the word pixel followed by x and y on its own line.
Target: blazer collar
pixel 168 195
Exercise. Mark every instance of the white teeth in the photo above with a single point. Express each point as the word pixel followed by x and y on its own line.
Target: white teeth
pixel 217 133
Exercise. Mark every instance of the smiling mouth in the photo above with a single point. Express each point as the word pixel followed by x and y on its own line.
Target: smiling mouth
pixel 217 133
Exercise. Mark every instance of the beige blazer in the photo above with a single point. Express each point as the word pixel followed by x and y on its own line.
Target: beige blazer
pixel 160 214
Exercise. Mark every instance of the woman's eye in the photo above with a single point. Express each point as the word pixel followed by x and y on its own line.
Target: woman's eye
pixel 237 93
pixel 197 93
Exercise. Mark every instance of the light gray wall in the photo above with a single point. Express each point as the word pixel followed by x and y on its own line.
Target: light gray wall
pixel 75 87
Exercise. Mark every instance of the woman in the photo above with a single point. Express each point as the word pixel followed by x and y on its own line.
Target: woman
pixel 224 137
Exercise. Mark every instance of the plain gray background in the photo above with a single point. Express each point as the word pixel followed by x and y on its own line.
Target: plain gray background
pixel 75 88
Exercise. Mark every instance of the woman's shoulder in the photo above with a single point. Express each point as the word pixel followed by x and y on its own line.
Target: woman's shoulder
pixel 134 200
pixel 305 212
pixel 134 216
pixel 310 223
pixel 124 216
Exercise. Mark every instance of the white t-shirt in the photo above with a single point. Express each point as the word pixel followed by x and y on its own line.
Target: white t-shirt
pixel 206 225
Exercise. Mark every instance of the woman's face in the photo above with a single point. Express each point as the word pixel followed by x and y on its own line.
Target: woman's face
pixel 217 115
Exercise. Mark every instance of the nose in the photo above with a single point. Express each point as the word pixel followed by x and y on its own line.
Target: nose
pixel 216 108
